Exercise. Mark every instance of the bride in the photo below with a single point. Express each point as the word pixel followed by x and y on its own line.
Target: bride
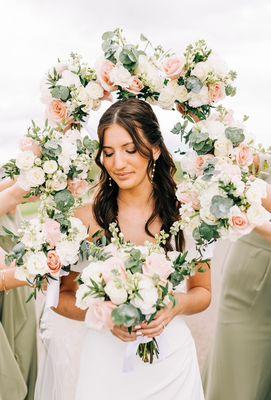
pixel 137 190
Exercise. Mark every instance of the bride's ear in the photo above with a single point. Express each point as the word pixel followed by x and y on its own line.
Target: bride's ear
pixel 156 153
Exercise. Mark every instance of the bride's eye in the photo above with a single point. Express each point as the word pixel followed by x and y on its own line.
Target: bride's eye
pixel 131 151
pixel 108 154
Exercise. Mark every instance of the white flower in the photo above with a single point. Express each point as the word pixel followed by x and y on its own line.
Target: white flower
pixel 223 147
pixel 120 76
pixel 82 297
pixel 201 70
pixel 25 160
pixel 78 229
pixel 93 272
pixel 148 295
pixel 69 79
pixel 170 93
pixel 188 162
pixel 32 234
pixel 149 74
pixel 50 166
pixel 94 90
pixel 199 99
pixel 217 65
pixel 194 223
pixel 257 191
pixel 36 263
pixel 35 176
pixel 117 293
pixel 207 217
pixel 257 215
pixel 59 181
pixel 68 251
pixel 215 129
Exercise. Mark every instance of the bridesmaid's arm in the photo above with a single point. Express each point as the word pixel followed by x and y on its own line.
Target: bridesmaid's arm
pixel 11 195
pixel 8 280
pixel 266 202
pixel 66 305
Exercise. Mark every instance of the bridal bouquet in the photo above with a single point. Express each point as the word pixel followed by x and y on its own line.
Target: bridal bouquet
pixel 125 285
pixel 45 249
pixel 70 90
pixel 51 161
pixel 221 200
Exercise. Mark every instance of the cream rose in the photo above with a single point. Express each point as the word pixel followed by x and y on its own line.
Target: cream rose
pixel 50 166
pixel 25 160
pixel 94 90
pixel 174 66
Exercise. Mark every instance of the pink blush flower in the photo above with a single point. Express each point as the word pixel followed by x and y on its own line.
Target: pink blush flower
pixel 240 222
pixel 244 156
pixel 174 67
pixel 53 262
pixel 103 70
pixel 216 92
pixel 135 86
pixel 113 264
pixel 78 187
pixel 158 264
pixel 98 315
pixel 52 231
pixel 28 144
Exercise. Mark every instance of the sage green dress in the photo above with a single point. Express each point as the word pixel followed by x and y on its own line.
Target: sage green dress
pixel 239 366
pixel 18 348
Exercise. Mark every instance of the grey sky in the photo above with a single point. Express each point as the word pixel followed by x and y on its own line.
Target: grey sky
pixel 34 33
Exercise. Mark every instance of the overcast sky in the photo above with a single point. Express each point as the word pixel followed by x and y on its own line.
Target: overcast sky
pixel 34 33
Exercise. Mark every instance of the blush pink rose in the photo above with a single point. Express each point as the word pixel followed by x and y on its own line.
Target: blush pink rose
pixel 216 92
pixel 103 70
pixel 135 86
pixel 28 144
pixel 114 263
pixel 57 111
pixel 78 187
pixel 244 156
pixel 187 195
pixel 201 162
pixel 54 263
pixel 52 232
pixel 98 315
pixel 174 67
pixel 240 222
pixel 158 264
pixel 107 96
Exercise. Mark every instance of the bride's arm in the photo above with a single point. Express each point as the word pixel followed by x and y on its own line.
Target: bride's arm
pixel 197 299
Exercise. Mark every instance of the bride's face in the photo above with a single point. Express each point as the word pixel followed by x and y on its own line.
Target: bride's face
pixel 126 166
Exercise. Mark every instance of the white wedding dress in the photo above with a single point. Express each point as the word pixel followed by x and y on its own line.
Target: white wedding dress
pixel 175 376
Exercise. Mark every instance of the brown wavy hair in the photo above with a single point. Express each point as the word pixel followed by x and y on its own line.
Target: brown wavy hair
pixel 134 114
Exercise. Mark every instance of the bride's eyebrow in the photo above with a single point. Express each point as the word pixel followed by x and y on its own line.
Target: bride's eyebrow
pixel 123 145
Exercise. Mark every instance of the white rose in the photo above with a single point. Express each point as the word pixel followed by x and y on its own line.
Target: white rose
pixel 59 181
pixel 223 147
pixel 217 65
pixel 82 297
pixel 94 90
pixel 194 223
pixel 257 191
pixel 36 263
pixel 78 229
pixel 188 162
pixel 215 129
pixel 257 215
pixel 50 166
pixel 25 160
pixel 69 79
pixel 199 99
pixel 117 293
pixel 93 272
pixel 148 296
pixel 32 235
pixel 120 76
pixel 166 98
pixel 68 252
pixel 201 70
pixel 35 176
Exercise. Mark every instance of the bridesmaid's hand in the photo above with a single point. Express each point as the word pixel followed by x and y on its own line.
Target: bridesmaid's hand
pixel 122 333
pixel 157 326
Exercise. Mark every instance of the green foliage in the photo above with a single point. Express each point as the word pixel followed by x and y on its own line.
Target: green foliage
pixel 64 200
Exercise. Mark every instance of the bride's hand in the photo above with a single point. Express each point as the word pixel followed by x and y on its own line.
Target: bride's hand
pixel 122 333
pixel 157 326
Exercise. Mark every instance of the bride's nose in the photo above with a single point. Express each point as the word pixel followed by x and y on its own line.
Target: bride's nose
pixel 119 161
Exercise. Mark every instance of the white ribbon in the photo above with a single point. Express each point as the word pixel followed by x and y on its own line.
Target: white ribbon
pixel 52 293
pixel 131 349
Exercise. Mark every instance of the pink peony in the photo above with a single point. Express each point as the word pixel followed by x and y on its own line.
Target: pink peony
pixel 52 232
pixel 57 111
pixel 28 144
pixel 78 187
pixel 244 156
pixel 174 67
pixel 216 92
pixel 114 263
pixel 53 262
pixel 103 70
pixel 158 264
pixel 135 86
pixel 98 315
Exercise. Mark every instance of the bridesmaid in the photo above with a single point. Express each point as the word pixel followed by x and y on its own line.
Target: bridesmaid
pixel 239 363
pixel 18 360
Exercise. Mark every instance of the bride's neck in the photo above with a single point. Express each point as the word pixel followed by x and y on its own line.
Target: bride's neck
pixel 138 197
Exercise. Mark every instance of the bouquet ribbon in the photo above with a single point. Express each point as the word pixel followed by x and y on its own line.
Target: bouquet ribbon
pixel 52 294
pixel 131 349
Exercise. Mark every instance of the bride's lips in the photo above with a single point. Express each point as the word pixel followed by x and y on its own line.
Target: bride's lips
pixel 123 175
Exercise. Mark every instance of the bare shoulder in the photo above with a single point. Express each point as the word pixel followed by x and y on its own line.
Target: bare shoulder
pixel 86 215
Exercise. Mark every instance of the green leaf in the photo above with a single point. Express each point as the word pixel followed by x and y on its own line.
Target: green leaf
pixel 60 92
pixel 143 38
pixel 64 200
